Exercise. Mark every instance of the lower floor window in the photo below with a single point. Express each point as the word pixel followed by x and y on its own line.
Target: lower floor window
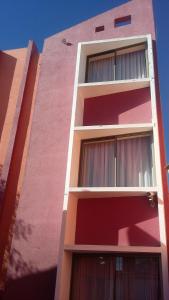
pixel 117 161
pixel 115 277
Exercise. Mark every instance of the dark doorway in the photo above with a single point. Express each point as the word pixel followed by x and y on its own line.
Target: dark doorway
pixel 115 277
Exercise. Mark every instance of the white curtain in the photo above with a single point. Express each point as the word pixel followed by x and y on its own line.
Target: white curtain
pixel 101 70
pixel 98 164
pixel 128 66
pixel 131 65
pixel 134 162
pixel 125 162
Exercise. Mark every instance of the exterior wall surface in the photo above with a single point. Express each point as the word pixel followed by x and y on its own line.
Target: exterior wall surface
pixel 123 108
pixel 162 149
pixel 47 158
pixel 16 129
pixel 34 254
pixel 11 71
pixel 129 221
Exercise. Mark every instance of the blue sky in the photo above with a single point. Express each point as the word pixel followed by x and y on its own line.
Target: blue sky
pixel 21 20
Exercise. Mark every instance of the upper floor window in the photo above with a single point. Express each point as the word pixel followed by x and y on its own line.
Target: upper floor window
pixel 99 28
pixel 118 161
pixel 123 21
pixel 120 64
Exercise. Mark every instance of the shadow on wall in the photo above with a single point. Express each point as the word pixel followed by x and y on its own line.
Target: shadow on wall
pixel 131 107
pixel 24 280
pixel 19 267
pixel 117 221
pixel 7 68
pixel 36 286
pixel 2 190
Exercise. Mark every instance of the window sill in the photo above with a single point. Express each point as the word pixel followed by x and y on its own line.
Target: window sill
pixel 95 192
pixel 106 248
pixel 95 89
pixel 97 131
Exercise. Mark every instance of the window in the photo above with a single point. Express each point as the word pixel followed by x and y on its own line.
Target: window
pixel 99 28
pixel 119 64
pixel 108 276
pixel 123 21
pixel 118 161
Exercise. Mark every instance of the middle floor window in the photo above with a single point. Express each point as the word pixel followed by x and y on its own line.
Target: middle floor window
pixel 117 161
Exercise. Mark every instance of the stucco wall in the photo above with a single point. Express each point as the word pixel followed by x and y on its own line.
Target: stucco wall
pixel 17 125
pixel 122 108
pixel 11 71
pixel 43 189
pixel 129 221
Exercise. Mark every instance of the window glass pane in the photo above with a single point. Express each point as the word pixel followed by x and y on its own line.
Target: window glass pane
pixel 92 277
pixel 126 162
pixel 119 263
pixel 138 280
pixel 131 65
pixel 107 276
pixel 98 164
pixel 134 162
pixel 101 69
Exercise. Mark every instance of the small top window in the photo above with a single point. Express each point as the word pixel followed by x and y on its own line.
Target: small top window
pixel 99 28
pixel 123 21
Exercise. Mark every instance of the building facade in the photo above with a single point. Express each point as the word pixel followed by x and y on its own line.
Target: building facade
pixel 83 183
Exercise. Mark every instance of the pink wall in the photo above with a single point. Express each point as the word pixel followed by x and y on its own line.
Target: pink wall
pixel 162 152
pixel 117 221
pixel 122 108
pixel 41 200
pixel 51 122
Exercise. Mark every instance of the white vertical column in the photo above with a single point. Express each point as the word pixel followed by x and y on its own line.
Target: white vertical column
pixel 158 169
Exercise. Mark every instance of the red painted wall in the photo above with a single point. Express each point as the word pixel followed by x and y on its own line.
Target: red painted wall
pixel 122 108
pixel 41 200
pixel 17 145
pixel 117 221
pixel 43 189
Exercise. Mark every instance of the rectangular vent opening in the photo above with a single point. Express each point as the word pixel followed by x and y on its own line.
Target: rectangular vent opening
pixel 123 21
pixel 99 28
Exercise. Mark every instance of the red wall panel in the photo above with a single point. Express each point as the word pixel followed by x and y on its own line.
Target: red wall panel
pixel 122 108
pixel 117 221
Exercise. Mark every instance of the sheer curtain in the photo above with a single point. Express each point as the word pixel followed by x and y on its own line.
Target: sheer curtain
pixel 92 277
pixel 98 164
pixel 110 277
pixel 101 69
pixel 128 66
pixel 138 279
pixel 120 162
pixel 134 162
pixel 131 65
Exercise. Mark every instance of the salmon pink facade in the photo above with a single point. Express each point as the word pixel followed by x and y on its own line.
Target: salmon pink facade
pixel 84 197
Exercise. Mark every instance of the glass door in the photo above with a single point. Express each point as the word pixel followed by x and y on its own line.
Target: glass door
pixel 115 277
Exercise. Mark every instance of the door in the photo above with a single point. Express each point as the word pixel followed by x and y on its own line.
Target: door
pixel 115 277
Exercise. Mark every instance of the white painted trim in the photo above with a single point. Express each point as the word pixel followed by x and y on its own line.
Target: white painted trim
pixel 146 126
pixel 94 192
pixel 114 82
pixel 86 132
pixel 104 248
pixel 162 227
pixel 70 148
pixel 96 89
pixel 93 47
pixel 136 37
pixel 121 191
